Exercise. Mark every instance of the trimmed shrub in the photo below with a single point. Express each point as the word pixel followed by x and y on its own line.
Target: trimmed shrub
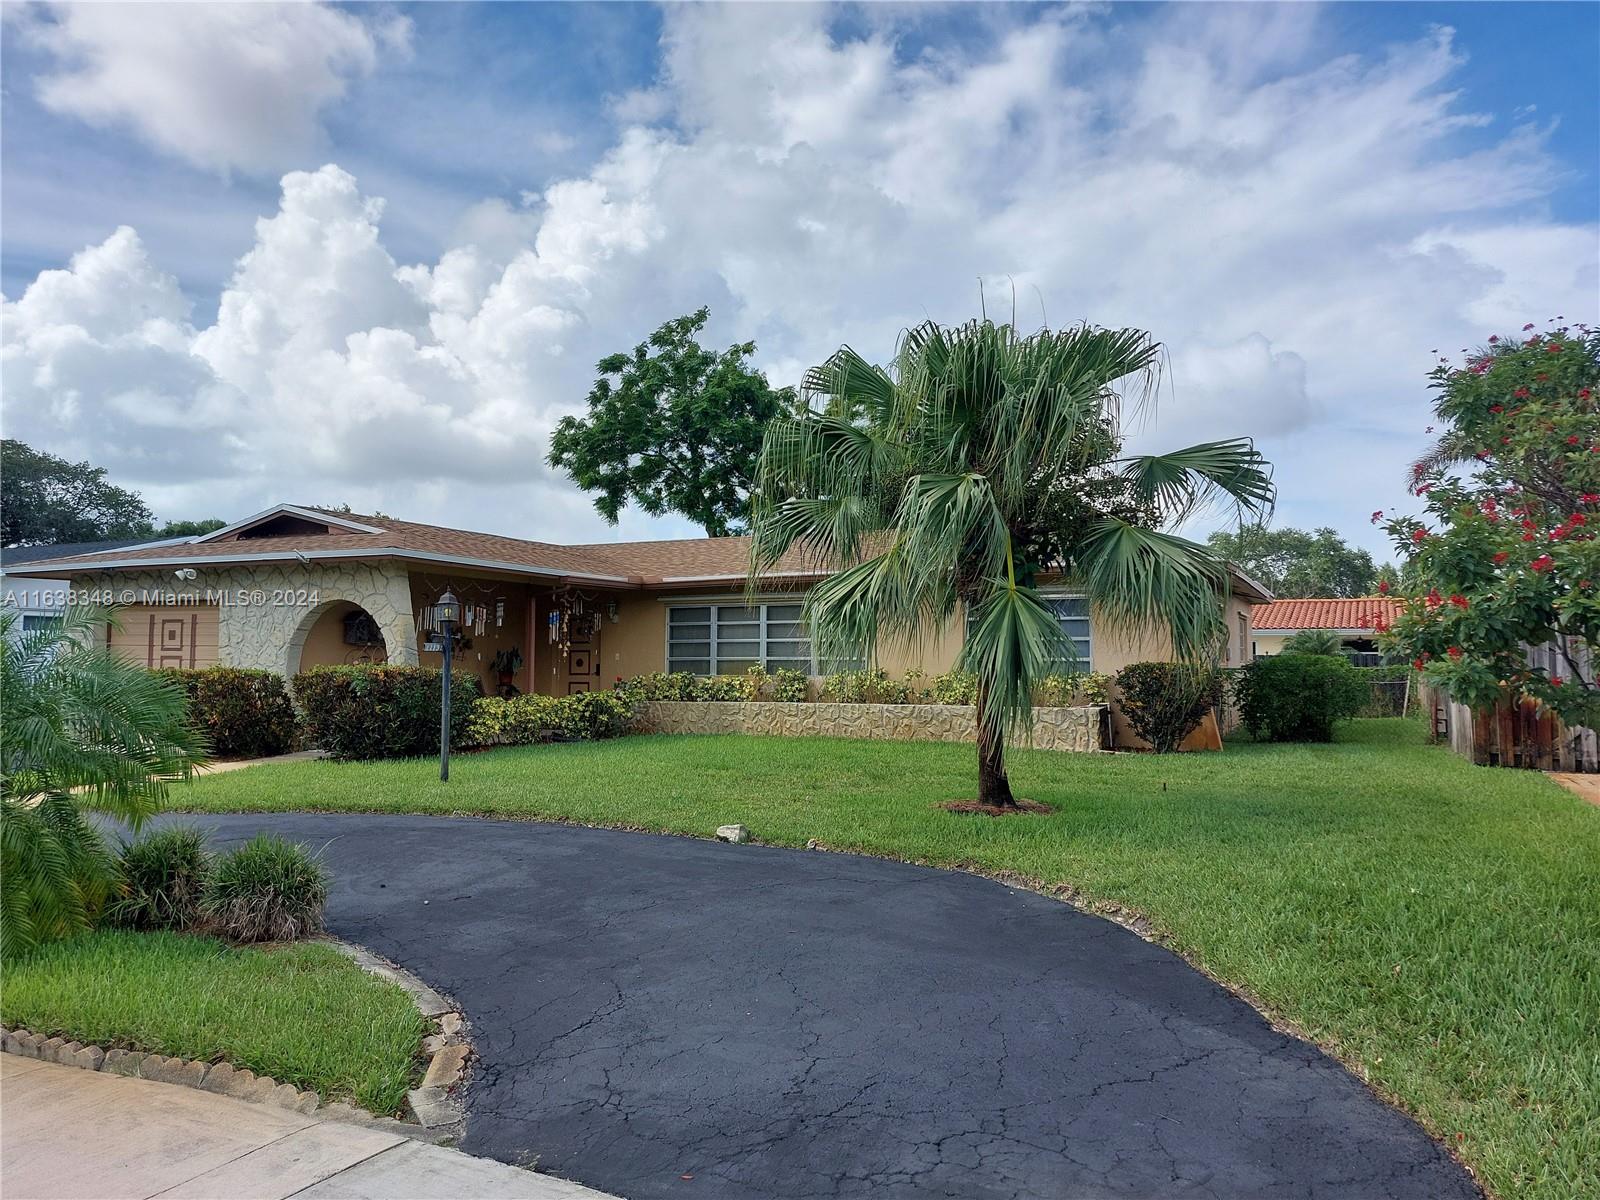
pixel 954 687
pixel 365 712
pixel 163 878
pixel 521 720
pixel 267 890
pixel 1298 697
pixel 243 714
pixel 1165 702
pixel 1062 691
pixel 661 685
pixel 872 686
pixel 791 686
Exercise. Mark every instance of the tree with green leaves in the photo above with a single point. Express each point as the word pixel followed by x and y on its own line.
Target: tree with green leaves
pixel 1292 562
pixel 1505 556
pixel 177 529
pixel 85 732
pixel 672 427
pixel 45 499
pixel 980 461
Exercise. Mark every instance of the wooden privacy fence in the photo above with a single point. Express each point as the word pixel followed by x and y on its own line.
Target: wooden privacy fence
pixel 1517 733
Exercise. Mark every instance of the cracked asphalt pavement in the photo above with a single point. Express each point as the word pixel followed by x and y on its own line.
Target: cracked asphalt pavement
pixel 668 1017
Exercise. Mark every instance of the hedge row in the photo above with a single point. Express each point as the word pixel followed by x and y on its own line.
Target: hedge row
pixel 243 714
pixel 382 711
pixel 521 720
pixel 874 686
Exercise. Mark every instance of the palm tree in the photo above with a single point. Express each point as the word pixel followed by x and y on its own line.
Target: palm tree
pixel 1323 642
pixel 978 462
pixel 84 732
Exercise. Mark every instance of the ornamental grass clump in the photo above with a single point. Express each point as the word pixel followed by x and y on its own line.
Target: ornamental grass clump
pixel 267 890
pixel 163 878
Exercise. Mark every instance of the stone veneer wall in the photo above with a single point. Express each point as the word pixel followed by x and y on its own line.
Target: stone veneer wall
pixel 273 606
pixel 1079 729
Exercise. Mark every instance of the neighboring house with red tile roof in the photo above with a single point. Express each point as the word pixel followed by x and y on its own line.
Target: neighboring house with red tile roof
pixel 295 586
pixel 1353 620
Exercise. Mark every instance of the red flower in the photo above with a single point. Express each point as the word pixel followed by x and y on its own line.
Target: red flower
pixel 1520 394
pixel 1572 439
pixel 1420 536
pixel 1527 327
pixel 1527 537
pixel 1577 519
pixel 1543 563
pixel 1502 556
pixel 1583 393
pixel 1434 599
pixel 1459 601
pixel 1556 681
pixel 1383 587
pixel 1590 497
pixel 1493 338
pixel 1417 664
pixel 1377 515
pixel 1497 408
pixel 1454 652
pixel 1554 347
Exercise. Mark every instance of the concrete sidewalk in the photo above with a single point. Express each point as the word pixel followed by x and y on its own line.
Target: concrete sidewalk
pixel 83 1134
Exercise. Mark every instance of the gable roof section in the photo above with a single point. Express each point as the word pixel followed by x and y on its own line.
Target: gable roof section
pixel 1345 616
pixel 337 520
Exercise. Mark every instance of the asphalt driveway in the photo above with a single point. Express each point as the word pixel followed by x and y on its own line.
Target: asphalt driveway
pixel 665 1017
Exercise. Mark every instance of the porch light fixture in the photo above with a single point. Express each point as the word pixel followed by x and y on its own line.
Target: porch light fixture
pixel 444 618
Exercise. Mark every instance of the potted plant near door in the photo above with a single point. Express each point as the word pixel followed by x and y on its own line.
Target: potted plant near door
pixel 506 665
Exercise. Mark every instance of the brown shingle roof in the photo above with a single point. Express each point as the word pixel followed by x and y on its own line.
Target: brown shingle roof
pixel 638 563
pixel 1361 613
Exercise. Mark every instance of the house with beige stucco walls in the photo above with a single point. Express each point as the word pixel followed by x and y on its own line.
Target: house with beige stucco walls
pixel 295 587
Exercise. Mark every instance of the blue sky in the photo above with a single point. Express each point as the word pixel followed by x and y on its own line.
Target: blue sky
pixel 1264 187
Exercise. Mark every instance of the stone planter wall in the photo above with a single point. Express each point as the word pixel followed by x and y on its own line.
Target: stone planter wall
pixel 1079 729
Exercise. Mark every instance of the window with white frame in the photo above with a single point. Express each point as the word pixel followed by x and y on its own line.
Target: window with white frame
pixel 729 639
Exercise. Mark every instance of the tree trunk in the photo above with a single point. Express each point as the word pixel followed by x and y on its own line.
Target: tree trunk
pixel 994 789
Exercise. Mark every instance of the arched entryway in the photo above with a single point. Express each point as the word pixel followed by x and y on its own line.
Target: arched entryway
pixel 338 633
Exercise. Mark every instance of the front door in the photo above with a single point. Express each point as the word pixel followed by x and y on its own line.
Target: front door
pixel 583 660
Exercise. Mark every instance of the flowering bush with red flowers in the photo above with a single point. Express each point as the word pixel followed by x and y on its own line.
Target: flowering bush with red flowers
pixel 1506 552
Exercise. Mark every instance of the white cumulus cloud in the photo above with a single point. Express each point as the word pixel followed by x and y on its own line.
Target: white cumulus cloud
pixel 219 85
pixel 1299 231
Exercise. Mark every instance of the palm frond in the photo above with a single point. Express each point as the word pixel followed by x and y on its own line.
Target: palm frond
pixel 1185 482
pixel 1139 580
pixel 84 731
pixel 1013 641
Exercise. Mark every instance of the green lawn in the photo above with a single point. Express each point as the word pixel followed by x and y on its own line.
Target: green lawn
pixel 1435 924
pixel 304 1014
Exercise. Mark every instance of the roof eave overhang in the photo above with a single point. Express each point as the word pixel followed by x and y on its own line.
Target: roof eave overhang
pixel 66 567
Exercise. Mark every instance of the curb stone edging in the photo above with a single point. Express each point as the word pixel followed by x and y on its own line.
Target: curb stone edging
pixel 435 1105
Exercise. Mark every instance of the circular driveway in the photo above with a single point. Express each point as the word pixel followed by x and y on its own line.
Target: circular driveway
pixel 777 1023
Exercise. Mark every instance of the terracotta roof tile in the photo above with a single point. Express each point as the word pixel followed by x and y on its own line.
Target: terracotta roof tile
pixel 1360 613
